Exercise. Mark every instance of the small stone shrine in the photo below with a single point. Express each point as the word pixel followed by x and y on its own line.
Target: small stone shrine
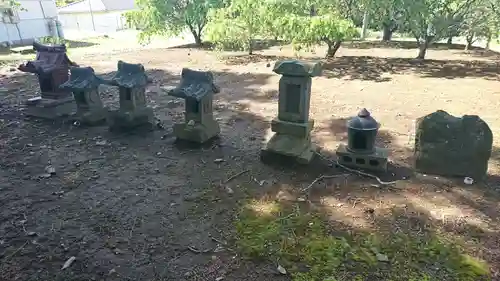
pixel 452 146
pixel 198 89
pixel 293 126
pixel 361 151
pixel 133 112
pixel 52 69
pixel 85 87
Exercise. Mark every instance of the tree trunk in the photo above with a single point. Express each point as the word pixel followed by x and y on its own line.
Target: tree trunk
pixel 196 36
pixel 250 47
pixel 488 42
pixel 333 47
pixel 423 46
pixel 387 32
pixel 450 40
pixel 469 39
pixel 366 20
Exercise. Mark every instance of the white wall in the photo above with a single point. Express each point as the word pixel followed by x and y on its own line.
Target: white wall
pixel 33 22
pixel 104 22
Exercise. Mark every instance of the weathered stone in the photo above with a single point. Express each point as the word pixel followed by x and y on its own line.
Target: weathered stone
pixel 131 80
pixel 361 151
pixel 197 88
pixel 85 87
pixel 52 69
pixel 293 126
pixel 451 146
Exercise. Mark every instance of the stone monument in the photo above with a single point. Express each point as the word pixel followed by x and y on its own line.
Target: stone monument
pixel 452 146
pixel 293 126
pixel 52 69
pixel 198 89
pixel 361 151
pixel 85 87
pixel 131 80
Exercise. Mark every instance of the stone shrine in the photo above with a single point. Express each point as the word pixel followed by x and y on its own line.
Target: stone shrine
pixel 198 89
pixel 361 151
pixel 85 87
pixel 133 112
pixel 452 146
pixel 52 69
pixel 293 126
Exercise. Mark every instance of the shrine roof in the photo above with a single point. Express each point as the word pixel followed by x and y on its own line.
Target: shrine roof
pixel 48 58
pixel 195 85
pixel 130 75
pixel 82 78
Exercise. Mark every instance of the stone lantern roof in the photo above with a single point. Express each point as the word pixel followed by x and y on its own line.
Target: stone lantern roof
pixel 130 75
pixel 195 85
pixel 297 68
pixel 82 78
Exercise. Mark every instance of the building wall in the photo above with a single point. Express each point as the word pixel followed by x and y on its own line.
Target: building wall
pixel 104 22
pixel 33 22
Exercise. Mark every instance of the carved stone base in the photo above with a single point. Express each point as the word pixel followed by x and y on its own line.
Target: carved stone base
pixel 376 161
pixel 50 108
pixel 198 133
pixel 299 149
pixel 92 118
pixel 130 120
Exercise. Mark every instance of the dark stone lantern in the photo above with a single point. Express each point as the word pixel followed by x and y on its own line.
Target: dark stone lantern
pixel 131 80
pixel 197 88
pixel 51 66
pixel 361 151
pixel 361 133
pixel 85 87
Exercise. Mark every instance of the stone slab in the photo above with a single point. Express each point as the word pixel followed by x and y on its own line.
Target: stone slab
pixel 295 129
pixel 129 120
pixel 376 161
pixel 50 109
pixel 300 149
pixel 198 133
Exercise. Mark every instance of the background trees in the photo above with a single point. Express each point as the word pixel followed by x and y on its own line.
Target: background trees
pixel 307 23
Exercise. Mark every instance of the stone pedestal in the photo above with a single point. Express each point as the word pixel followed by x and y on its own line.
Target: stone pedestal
pixel 376 161
pixel 293 126
pixel 291 140
pixel 199 133
pixel 50 108
pixel 129 120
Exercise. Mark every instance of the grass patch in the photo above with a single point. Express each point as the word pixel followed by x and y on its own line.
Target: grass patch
pixel 300 241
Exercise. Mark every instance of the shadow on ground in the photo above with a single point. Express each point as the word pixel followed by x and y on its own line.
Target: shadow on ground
pixel 259 45
pixel 374 68
pixel 396 44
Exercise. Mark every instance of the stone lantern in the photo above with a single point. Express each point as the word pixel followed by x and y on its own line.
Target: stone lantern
pixel 293 125
pixel 131 80
pixel 198 89
pixel 51 66
pixel 85 87
pixel 361 151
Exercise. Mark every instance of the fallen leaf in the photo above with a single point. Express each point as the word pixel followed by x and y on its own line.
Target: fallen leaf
pixel 68 263
pixel 281 269
pixel 382 257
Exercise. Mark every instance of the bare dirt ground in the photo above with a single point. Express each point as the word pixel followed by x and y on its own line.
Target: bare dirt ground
pixel 138 207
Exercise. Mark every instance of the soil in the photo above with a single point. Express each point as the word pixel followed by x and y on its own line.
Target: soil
pixel 139 207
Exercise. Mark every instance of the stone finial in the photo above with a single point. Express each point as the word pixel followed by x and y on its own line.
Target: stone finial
pixel 195 85
pixel 130 75
pixel 297 68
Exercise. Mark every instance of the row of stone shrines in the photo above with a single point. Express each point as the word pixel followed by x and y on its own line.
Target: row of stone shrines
pixel 444 144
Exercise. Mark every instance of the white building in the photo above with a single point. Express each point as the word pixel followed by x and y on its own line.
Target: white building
pixel 34 19
pixel 101 16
